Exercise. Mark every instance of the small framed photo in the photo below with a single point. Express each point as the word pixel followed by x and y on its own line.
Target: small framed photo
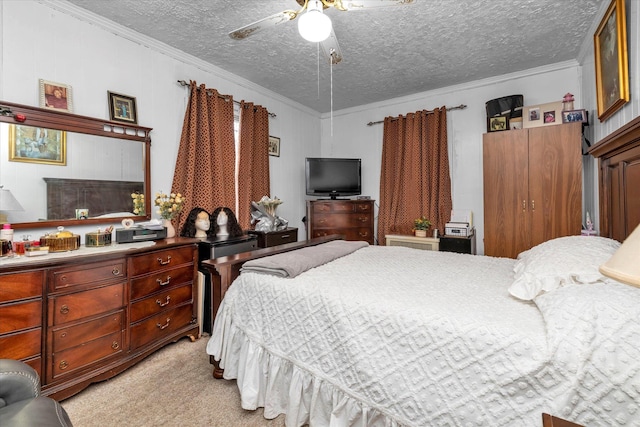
pixel 572 116
pixel 82 213
pixel 56 96
pixel 122 108
pixel 549 116
pixel 30 144
pixel 542 115
pixel 515 123
pixel 274 146
pixel 497 124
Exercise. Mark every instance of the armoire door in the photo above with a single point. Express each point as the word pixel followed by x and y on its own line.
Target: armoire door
pixel 506 175
pixel 555 182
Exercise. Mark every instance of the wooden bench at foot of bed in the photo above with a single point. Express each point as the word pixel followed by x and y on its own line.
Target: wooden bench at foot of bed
pixel 225 270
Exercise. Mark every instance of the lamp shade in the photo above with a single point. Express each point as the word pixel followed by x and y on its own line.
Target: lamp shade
pixel 314 25
pixel 624 265
pixel 8 202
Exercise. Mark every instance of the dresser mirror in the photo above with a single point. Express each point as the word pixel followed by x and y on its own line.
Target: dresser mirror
pixel 65 169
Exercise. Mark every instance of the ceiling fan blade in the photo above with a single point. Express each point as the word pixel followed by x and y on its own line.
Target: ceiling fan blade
pixel 331 48
pixel 269 21
pixel 369 4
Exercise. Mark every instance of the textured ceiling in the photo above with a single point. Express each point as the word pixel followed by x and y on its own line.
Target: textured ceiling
pixel 387 52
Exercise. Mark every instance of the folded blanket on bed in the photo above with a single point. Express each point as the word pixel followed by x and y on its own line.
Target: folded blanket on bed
pixel 290 264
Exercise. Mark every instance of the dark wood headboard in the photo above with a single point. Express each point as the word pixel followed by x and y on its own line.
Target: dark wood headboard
pixel 619 166
pixel 64 196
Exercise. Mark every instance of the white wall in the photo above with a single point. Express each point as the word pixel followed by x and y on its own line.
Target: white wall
pixel 344 133
pixel 59 42
pixel 631 110
pixel 352 137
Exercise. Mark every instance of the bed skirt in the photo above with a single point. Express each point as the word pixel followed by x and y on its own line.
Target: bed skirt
pixel 279 386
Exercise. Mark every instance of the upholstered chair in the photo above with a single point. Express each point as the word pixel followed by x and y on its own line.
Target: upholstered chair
pixel 20 401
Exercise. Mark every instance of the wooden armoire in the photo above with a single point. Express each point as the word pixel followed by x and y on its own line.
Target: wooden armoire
pixel 532 187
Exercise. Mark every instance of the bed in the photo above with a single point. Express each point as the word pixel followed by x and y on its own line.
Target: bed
pixel 392 336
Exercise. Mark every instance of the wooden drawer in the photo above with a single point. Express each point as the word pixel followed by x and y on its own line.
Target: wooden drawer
pixel 160 302
pixel 338 206
pixel 87 274
pixel 77 334
pixel 160 326
pixel 21 345
pixel 20 316
pixel 275 238
pixel 348 233
pixel 343 221
pixel 169 258
pixel 66 308
pixel 161 280
pixel 21 285
pixel 68 361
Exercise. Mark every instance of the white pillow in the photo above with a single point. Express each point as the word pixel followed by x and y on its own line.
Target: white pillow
pixel 565 260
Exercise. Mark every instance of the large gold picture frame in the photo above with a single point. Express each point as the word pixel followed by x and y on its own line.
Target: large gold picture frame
pixel 37 145
pixel 612 66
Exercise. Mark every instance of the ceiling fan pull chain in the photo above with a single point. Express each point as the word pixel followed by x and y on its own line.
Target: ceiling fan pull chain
pixel 331 74
pixel 318 66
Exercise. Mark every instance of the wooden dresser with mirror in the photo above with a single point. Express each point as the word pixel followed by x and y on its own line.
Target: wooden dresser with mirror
pixel 84 316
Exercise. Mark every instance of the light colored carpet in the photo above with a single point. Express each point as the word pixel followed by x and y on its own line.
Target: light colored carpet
pixel 172 387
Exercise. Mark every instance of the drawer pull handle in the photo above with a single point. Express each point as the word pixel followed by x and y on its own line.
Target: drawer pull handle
pixel 63 365
pixel 115 345
pixel 165 325
pixel 161 283
pixel 115 271
pixel 284 236
pixel 162 304
pixel 363 234
pixel 164 262
pixel 363 219
pixel 64 309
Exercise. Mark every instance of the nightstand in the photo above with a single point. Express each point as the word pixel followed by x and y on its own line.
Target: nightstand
pixel 461 245
pixel 275 238
pixel 425 243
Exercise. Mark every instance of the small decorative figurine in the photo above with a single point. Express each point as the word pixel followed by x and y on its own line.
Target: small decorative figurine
pixel 589 223
pixel 567 102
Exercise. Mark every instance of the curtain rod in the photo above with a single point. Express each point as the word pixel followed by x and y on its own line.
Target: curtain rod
pixel 184 83
pixel 459 107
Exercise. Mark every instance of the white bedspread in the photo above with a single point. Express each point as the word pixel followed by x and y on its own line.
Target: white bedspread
pixel 411 339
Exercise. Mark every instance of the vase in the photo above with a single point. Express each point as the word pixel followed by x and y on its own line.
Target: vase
pixel 171 231
pixel 421 233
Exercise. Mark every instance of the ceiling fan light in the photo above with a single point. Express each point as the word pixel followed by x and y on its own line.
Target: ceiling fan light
pixel 314 26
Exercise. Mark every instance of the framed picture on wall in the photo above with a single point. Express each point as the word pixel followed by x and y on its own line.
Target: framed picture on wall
pixel 56 96
pixel 122 108
pixel 274 146
pixel 612 66
pixel 30 144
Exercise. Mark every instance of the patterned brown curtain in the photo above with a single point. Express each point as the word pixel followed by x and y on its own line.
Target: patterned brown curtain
pixel 205 166
pixel 253 161
pixel 415 172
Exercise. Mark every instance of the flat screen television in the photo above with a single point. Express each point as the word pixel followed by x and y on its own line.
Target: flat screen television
pixel 332 177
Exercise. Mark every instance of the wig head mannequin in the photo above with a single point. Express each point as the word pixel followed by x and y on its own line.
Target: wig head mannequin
pixel 221 228
pixel 197 224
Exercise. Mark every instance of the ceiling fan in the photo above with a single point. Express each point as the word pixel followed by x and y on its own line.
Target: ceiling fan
pixel 314 12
